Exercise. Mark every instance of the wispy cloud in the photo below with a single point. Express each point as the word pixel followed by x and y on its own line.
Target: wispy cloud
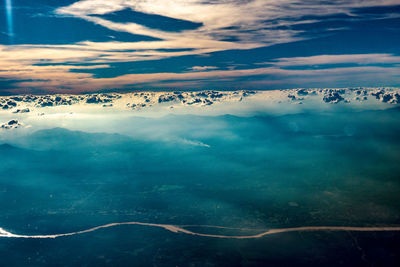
pixel 253 21
pixel 202 68
pixel 82 83
pixel 339 59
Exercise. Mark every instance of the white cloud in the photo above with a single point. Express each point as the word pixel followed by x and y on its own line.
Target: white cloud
pixel 202 68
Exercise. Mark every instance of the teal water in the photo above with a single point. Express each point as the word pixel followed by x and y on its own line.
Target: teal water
pixel 338 168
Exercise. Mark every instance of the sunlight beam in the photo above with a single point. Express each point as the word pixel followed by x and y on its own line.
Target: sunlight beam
pixel 9 19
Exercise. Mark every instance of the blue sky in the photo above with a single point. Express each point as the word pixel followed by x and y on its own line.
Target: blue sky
pixel 67 46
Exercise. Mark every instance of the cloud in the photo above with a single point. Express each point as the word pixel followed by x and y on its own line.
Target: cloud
pixel 84 84
pixel 339 59
pixel 194 143
pixel 253 21
pixel 202 68
pixel 12 124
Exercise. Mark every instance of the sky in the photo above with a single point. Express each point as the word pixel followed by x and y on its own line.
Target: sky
pixel 80 46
